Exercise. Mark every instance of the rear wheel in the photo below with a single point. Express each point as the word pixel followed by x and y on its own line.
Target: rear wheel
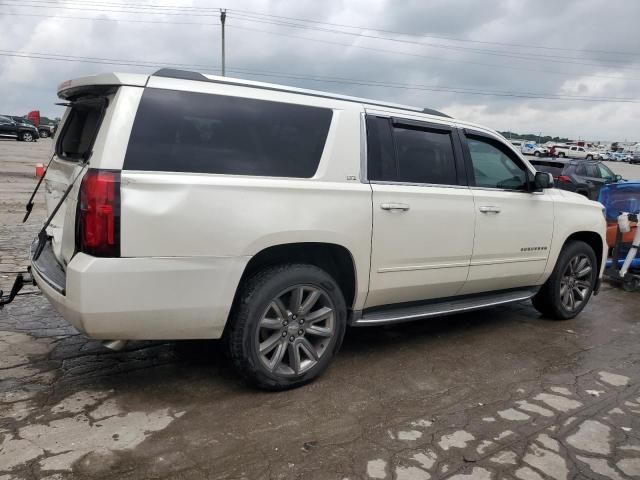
pixel 286 326
pixel 44 134
pixel 589 157
pixel 568 289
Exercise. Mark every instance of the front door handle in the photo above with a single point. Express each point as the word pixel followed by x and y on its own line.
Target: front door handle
pixel 490 209
pixel 394 206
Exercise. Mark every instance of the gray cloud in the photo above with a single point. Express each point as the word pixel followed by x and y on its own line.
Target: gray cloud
pixel 582 30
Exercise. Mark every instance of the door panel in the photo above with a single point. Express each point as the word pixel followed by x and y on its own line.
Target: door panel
pixel 423 213
pixel 511 246
pixel 514 226
pixel 423 252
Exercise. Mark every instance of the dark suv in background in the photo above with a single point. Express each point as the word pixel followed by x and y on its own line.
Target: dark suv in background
pixel 44 131
pixel 20 130
pixel 585 177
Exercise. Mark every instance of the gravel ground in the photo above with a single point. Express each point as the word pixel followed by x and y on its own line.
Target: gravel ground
pixel 498 394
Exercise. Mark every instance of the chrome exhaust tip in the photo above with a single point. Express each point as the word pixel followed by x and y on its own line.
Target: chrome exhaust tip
pixel 115 345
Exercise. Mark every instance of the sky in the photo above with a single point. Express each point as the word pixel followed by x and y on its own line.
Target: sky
pixel 484 61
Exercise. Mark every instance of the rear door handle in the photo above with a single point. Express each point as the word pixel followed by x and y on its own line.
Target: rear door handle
pixel 490 209
pixel 394 206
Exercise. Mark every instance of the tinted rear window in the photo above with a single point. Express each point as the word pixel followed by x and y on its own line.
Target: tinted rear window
pixel 425 156
pixel 195 132
pixel 553 168
pixel 80 129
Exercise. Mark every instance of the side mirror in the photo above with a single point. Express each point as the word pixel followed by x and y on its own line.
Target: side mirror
pixel 618 178
pixel 543 180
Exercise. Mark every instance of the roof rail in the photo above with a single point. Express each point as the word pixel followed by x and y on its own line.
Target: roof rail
pixel 199 77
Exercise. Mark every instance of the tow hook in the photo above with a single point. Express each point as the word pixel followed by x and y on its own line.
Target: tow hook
pixel 21 280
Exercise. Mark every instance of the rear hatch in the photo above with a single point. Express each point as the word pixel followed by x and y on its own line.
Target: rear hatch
pixel 71 158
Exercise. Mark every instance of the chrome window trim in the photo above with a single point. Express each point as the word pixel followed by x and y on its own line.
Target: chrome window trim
pixel 411 184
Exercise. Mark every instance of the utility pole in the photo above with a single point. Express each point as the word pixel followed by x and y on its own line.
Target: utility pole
pixel 223 17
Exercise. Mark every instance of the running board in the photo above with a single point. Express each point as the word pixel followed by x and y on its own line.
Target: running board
pixel 436 309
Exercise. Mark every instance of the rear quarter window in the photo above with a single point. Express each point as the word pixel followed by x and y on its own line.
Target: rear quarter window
pixel 177 131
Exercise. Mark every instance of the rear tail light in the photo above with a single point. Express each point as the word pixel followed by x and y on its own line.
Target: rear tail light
pixel 563 179
pixel 98 223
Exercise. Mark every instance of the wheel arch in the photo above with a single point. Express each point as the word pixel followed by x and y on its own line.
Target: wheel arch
pixel 593 239
pixel 335 259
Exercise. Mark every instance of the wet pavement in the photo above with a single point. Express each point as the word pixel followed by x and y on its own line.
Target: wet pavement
pixel 498 394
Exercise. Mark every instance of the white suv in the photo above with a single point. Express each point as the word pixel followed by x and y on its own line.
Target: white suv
pixel 190 206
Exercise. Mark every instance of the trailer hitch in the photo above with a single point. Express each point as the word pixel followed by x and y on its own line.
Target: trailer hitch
pixel 21 280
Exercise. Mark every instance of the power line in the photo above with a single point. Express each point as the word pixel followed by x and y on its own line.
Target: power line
pixel 440 37
pixel 429 57
pixel 254 18
pixel 24 4
pixel 329 42
pixel 520 56
pixel 338 80
pixel 368 28
pixel 105 19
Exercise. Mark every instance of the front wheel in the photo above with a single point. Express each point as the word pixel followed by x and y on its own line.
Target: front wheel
pixel 27 137
pixel 569 288
pixel 286 326
pixel 44 134
pixel 536 154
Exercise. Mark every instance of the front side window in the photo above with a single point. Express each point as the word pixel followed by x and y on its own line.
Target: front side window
pixel 176 131
pixel 605 173
pixel 494 165
pixel 424 156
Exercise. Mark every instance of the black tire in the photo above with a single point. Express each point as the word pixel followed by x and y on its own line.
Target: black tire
pixel 536 154
pixel 27 137
pixel 589 157
pixel 561 155
pixel 548 300
pixel 257 294
pixel 44 134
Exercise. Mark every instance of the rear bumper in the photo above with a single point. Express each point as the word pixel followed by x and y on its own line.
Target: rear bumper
pixel 145 298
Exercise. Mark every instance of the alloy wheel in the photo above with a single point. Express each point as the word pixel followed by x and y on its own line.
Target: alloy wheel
pixel 576 282
pixel 27 137
pixel 295 330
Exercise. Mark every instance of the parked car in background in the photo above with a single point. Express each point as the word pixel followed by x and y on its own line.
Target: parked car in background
pixel 579 153
pixel 26 122
pixel 561 151
pixel 585 177
pixel 21 130
pixel 602 155
pixel 635 158
pixel 620 156
pixel 46 130
pixel 531 148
